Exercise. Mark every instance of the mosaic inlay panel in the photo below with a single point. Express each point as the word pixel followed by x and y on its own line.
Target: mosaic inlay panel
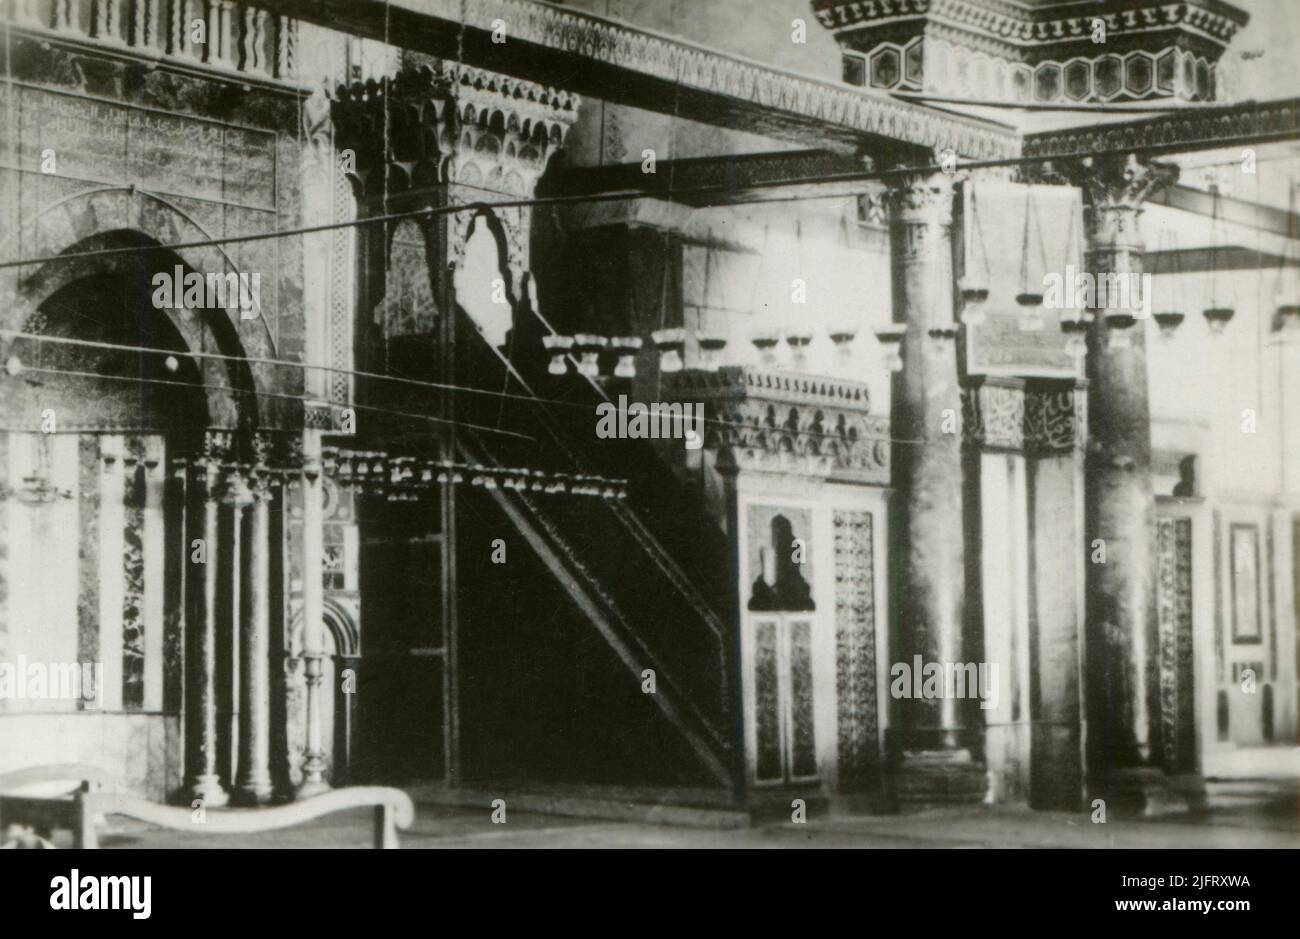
pixel 1174 619
pixel 855 649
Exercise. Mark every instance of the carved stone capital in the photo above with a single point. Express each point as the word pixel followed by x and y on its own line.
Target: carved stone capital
pixel 921 199
pixel 920 217
pixel 205 479
pixel 259 477
pixel 235 489
pixel 1121 180
pixel 218 444
pixel 1114 188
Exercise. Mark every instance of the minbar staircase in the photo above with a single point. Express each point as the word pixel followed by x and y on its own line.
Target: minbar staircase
pixel 611 555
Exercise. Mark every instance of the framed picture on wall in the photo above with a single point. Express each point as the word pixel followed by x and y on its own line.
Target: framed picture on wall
pixel 1244 554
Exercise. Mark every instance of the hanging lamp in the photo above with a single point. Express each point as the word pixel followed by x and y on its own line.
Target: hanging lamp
pixel 1217 314
pixel 1073 319
pixel 710 341
pixel 842 328
pixel 625 349
pixel 764 335
pixel 1171 318
pixel 891 339
pixel 1030 297
pixel 588 346
pixel 974 284
pixel 668 342
pixel 798 334
pixel 1288 308
pixel 557 347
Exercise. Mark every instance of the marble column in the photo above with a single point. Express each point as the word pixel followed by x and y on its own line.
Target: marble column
pixel 235 499
pixel 1122 659
pixel 927 453
pixel 345 718
pixel 254 783
pixel 202 780
pixel 313 624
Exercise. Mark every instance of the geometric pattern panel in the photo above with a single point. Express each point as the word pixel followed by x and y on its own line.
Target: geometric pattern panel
pixel 855 651
pixel 945 68
pixel 1174 624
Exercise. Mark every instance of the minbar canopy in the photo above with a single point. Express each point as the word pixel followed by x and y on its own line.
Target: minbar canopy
pixel 624 64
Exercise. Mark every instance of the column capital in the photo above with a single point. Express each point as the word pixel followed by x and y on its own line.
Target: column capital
pixel 236 490
pixel 920 198
pixel 258 479
pixel 1123 180
pixel 1114 188
pixel 205 478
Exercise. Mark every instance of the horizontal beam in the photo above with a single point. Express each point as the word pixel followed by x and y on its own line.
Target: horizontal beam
pixel 1264 218
pixel 1180 131
pixel 1226 258
pixel 742 177
pixel 623 64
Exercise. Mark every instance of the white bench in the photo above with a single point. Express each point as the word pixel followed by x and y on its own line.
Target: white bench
pixel 84 808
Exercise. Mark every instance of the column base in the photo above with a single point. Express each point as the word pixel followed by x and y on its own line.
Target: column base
pixel 308 788
pixel 253 794
pixel 939 777
pixel 1148 792
pixel 208 790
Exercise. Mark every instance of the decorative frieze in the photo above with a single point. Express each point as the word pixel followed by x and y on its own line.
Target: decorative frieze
pixel 236 36
pixel 403 478
pixel 779 103
pixel 1039 418
pixel 1020 25
pixel 771 421
pixel 1225 127
pixel 945 67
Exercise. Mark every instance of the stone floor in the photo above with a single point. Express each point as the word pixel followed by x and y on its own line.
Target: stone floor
pixel 461 827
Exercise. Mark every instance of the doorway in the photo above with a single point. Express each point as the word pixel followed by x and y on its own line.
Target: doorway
pixel 401 708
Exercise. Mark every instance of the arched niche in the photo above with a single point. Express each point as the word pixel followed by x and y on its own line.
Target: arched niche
pixel 120 218
pixel 89 306
pixel 484 282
